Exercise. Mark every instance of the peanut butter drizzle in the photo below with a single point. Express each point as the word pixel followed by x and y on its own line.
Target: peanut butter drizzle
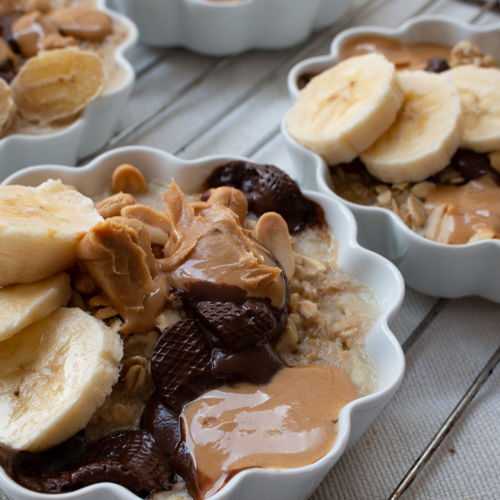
pixel 470 207
pixel 289 422
pixel 403 55
pixel 207 244
pixel 117 254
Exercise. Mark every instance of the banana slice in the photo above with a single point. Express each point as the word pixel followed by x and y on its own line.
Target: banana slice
pixel 345 109
pixel 53 376
pixel 425 134
pixel 479 90
pixel 39 230
pixel 7 107
pixel 22 305
pixel 57 84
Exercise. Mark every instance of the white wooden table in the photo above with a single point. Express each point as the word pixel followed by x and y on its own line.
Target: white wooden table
pixel 193 106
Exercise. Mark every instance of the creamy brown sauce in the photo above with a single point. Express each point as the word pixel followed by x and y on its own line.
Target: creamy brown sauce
pixel 289 422
pixel 403 55
pixel 470 207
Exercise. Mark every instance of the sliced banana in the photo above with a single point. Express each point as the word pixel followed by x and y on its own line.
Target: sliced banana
pixel 39 230
pixel 7 107
pixel 53 376
pixel 57 84
pixel 479 90
pixel 426 132
pixel 343 110
pixel 22 305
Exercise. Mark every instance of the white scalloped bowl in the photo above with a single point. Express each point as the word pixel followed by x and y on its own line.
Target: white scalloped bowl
pixel 87 134
pixel 378 273
pixel 223 28
pixel 429 267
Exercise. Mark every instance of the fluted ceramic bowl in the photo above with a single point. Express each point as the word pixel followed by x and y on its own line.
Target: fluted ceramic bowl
pixel 378 273
pixel 219 28
pixel 429 267
pixel 85 135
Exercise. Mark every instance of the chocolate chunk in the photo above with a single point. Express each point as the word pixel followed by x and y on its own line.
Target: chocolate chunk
pixel 437 65
pixel 473 165
pixel 304 79
pixel 256 365
pixel 180 365
pixel 131 459
pixel 237 327
pixel 164 424
pixel 267 188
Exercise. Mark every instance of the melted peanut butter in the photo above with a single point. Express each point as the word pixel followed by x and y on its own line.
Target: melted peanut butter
pixel 207 244
pixel 469 208
pixel 117 254
pixel 289 422
pixel 403 55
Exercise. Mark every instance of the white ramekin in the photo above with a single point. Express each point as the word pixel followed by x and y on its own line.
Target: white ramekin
pixel 84 136
pixel 429 267
pixel 381 345
pixel 223 28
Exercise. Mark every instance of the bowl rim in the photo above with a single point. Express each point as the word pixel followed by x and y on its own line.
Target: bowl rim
pixel 381 327
pixel 128 80
pixel 321 174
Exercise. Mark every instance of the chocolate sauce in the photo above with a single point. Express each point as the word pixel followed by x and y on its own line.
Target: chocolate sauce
pixel 267 188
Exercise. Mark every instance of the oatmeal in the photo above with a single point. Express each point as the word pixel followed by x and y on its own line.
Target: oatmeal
pixel 83 41
pixel 234 290
pixel 437 156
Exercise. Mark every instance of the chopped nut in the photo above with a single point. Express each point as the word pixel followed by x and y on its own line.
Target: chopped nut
pixel 384 198
pixel 133 360
pixel 134 378
pixel 416 210
pixel 272 232
pixel 56 41
pixel 231 198
pixel 381 188
pixel 128 179
pixel 112 206
pixel 156 224
pixel 30 30
pixel 105 312
pixel 422 189
pixel 98 301
pixel 400 186
pixel 482 233
pixel 83 23
pixel 467 53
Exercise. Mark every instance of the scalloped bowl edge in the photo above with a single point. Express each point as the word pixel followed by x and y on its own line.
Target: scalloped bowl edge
pixel 378 273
